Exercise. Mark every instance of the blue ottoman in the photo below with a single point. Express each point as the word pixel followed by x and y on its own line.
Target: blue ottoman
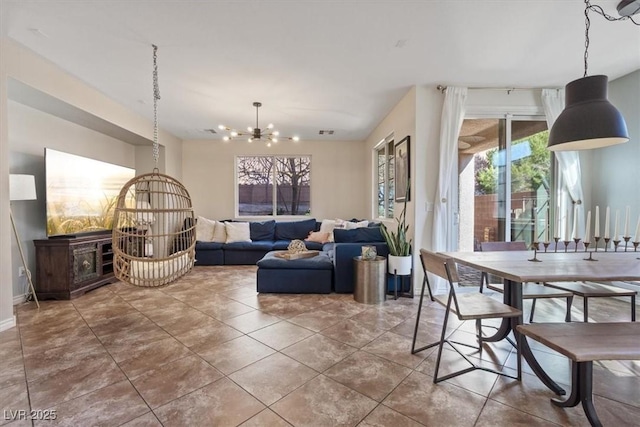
pixel 298 276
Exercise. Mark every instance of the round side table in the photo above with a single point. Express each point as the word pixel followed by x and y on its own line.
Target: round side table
pixel 370 280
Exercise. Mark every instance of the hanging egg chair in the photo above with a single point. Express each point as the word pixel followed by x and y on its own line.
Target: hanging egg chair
pixel 153 231
pixel 154 235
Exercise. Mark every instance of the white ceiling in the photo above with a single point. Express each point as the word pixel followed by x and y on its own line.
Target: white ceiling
pixel 314 64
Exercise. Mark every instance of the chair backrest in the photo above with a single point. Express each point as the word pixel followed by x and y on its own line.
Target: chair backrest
pixel 439 265
pixel 502 246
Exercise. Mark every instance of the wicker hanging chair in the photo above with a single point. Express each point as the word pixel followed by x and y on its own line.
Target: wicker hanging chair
pixel 154 236
pixel 153 231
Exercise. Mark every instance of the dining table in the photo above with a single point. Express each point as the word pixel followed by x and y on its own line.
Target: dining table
pixel 517 267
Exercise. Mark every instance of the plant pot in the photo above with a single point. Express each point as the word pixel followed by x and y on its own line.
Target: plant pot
pixel 400 265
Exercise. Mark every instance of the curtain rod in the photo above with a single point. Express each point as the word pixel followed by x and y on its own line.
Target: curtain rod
pixel 508 89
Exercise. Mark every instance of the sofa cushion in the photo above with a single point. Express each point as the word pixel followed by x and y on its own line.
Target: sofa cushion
pixel 318 262
pixel 314 246
pixel 265 230
pixel 237 232
pixel 358 235
pixel 281 245
pixel 292 230
pixel 208 246
pixel 263 245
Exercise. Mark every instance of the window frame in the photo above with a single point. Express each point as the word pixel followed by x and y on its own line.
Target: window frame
pixel 556 184
pixel 274 178
pixel 386 145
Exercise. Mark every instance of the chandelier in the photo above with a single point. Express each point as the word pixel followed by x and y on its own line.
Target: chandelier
pixel 269 135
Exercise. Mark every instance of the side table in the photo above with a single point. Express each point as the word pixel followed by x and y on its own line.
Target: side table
pixel 370 280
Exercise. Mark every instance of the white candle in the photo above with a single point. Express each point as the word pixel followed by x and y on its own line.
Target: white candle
pixel 558 219
pixel 615 227
pixel 587 231
pixel 567 235
pixel 637 238
pixel 596 232
pixel 546 226
pixel 626 222
pixel 536 229
pixel 606 223
pixel 574 233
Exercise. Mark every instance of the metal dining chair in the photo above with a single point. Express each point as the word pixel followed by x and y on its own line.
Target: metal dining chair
pixel 467 306
pixel 531 291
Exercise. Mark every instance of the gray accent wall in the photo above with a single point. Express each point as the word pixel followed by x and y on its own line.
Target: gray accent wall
pixel 614 170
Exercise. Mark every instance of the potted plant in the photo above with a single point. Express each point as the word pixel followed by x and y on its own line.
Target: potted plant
pixel 399 245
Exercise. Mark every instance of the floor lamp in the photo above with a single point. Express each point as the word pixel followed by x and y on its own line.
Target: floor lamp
pixel 22 187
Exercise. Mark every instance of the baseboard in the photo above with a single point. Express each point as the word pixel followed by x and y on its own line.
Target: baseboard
pixel 8 323
pixel 19 299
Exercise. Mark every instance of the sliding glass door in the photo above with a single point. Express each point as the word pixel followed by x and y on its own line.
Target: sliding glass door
pixel 505 180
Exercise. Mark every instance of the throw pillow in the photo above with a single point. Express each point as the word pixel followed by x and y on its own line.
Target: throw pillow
pixel 204 229
pixel 353 225
pixel 318 236
pixel 327 226
pixel 220 232
pixel 237 232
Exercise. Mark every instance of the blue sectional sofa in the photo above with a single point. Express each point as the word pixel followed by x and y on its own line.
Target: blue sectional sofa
pixel 270 236
pixel 266 236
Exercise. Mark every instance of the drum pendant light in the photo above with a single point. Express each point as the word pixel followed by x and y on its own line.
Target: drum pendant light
pixel 589 120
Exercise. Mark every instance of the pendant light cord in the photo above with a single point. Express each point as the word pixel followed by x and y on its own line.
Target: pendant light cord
pixel 156 97
pixel 600 11
pixel 587 25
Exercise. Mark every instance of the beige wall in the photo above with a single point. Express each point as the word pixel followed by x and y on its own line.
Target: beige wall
pixel 30 131
pixel 339 187
pixel 416 115
pixel 7 319
pixel 22 65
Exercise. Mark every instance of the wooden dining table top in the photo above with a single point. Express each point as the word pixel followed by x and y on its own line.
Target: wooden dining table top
pixel 553 266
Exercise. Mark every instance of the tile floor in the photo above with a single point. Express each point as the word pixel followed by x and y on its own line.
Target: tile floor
pixel 207 350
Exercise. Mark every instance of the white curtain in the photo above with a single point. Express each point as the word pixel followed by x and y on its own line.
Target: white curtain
pixel 569 161
pixel 452 116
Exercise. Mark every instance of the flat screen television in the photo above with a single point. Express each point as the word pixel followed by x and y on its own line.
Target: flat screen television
pixel 81 193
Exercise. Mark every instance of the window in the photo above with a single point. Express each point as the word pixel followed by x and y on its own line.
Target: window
pixel 273 185
pixel 385 185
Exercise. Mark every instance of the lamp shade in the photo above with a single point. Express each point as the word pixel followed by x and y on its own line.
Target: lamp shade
pixel 22 187
pixel 588 120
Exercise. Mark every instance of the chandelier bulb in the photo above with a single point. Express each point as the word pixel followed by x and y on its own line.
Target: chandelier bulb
pixel 250 129
pixel 274 139
pixel 250 140
pixel 296 138
pixel 268 144
pixel 221 127
pixel 225 138
pixel 276 133
pixel 234 133
pixel 270 126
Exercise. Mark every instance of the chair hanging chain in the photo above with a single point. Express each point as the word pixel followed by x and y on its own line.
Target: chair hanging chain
pixel 156 97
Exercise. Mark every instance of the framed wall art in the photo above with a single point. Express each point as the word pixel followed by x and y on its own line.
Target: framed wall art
pixel 402 168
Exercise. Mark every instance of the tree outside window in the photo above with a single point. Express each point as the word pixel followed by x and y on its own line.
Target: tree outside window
pixel 273 185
